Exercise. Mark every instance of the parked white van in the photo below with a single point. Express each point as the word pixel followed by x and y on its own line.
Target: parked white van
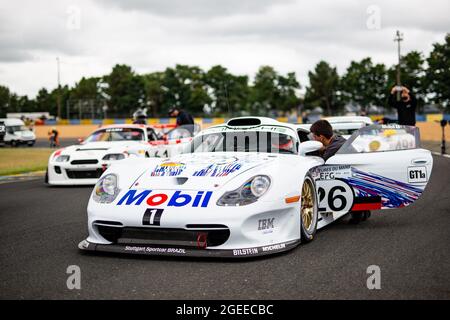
pixel 17 133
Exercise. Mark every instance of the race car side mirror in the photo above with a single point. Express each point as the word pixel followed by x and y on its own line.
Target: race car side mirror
pixel 80 140
pixel 309 146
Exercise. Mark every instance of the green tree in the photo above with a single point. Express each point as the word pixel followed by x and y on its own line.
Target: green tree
pixel 86 88
pixel 184 87
pixel 263 91
pixel 322 89
pixel 272 91
pixel 24 104
pixel 125 90
pixel 85 93
pixel 4 101
pixel 438 73
pixel 227 92
pixel 287 92
pixel 154 92
pixel 45 101
pixel 14 105
pixel 65 92
pixel 364 83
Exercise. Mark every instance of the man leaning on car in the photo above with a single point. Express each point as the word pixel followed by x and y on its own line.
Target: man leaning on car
pixel 322 131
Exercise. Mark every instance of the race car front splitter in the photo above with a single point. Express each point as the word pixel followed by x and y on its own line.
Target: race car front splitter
pixel 189 252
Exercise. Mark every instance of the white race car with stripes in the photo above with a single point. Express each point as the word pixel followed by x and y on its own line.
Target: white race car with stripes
pixel 248 187
pixel 83 164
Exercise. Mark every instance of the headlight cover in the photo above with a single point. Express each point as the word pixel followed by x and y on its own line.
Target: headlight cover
pixel 114 156
pixel 248 193
pixel 106 189
pixel 62 158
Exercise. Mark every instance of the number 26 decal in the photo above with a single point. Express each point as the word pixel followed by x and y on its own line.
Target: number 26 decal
pixel 334 196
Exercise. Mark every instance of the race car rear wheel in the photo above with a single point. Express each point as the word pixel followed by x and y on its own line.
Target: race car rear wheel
pixel 308 210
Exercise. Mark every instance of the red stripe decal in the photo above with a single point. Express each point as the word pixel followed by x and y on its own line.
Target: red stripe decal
pixel 366 206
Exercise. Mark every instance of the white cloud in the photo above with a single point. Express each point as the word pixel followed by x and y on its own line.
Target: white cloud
pixel 240 35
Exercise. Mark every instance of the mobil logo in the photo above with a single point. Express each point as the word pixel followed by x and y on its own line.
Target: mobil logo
pixel 156 198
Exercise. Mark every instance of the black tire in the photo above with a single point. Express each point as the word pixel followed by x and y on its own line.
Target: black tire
pixel 308 227
pixel 13 143
pixel 357 217
pixel 46 176
pixel 30 144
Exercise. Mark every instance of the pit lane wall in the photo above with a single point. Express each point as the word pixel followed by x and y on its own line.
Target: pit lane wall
pixel 430 130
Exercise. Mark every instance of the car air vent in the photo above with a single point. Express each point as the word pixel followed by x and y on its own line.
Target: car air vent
pixel 84 174
pixel 108 223
pixel 110 230
pixel 181 180
pixel 243 122
pixel 206 226
pixel 87 161
pixel 199 238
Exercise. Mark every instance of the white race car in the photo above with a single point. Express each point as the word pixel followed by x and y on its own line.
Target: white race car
pixel 83 164
pixel 247 188
pixel 172 139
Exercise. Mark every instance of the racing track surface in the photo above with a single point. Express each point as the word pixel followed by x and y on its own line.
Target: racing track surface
pixel 40 228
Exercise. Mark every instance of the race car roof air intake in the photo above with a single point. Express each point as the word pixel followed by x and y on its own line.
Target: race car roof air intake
pixel 244 122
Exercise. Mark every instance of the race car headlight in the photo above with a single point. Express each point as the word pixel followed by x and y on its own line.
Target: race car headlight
pixel 106 189
pixel 259 185
pixel 114 156
pixel 62 158
pixel 248 193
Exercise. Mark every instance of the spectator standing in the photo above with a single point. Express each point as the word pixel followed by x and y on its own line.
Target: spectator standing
pixel 183 118
pixel 305 118
pixel 53 137
pixel 406 106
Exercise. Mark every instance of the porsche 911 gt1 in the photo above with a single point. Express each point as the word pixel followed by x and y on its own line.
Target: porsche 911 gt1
pixel 251 187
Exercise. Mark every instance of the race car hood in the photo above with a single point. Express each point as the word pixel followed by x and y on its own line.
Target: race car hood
pixel 195 171
pixel 96 149
pixel 104 145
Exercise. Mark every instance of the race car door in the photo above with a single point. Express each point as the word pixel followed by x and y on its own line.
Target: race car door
pixel 379 167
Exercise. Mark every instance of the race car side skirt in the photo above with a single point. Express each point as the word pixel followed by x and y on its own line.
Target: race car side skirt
pixel 189 252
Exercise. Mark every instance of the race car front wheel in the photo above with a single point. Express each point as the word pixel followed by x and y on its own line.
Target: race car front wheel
pixel 308 210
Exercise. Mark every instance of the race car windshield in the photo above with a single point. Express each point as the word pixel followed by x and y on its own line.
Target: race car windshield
pixel 117 134
pixel 245 141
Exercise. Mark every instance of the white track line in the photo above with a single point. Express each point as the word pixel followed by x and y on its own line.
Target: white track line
pixel 439 154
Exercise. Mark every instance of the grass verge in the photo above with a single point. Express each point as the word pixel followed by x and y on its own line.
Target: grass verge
pixel 22 160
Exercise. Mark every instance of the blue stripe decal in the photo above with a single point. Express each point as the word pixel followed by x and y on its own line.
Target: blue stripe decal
pixel 394 194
